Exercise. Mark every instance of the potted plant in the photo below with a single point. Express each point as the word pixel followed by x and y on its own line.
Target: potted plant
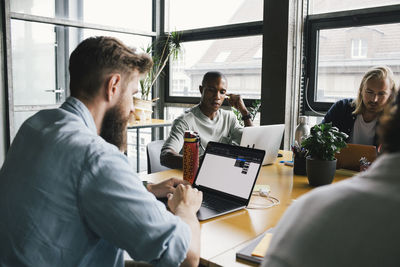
pixel 169 47
pixel 321 145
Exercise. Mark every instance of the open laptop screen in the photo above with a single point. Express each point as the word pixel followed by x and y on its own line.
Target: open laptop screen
pixel 227 169
pixel 265 137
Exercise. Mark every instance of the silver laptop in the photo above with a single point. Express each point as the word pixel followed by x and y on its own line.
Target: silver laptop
pixel 266 137
pixel 226 177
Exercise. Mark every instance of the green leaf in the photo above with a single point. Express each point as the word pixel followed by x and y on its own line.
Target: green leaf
pixel 169 47
pixel 324 141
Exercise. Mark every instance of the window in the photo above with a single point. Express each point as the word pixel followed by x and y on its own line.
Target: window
pixel 232 56
pixel 359 48
pixel 171 113
pixel 228 41
pixel 34 65
pixel 119 13
pixel 341 47
pixel 222 56
pixel 185 15
pixel 326 6
pixel 42 35
pixel 258 54
pixel 134 14
pixel 44 8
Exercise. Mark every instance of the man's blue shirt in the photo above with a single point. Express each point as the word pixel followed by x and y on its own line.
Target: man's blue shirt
pixel 68 198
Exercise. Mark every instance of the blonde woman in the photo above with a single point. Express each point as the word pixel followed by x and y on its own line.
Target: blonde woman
pixel 358 117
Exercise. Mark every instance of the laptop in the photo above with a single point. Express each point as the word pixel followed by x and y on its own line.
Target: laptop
pixel 266 137
pixel 226 177
pixel 349 157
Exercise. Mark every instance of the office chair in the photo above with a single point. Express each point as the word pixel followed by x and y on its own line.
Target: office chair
pixel 153 157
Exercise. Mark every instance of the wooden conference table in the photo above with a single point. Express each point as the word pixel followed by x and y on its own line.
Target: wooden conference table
pixel 221 237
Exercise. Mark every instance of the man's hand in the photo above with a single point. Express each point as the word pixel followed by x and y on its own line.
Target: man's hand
pixel 236 101
pixel 185 199
pixel 166 187
pixel 184 203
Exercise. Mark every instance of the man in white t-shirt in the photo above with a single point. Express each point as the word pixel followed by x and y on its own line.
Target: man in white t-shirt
pixel 358 117
pixel 207 119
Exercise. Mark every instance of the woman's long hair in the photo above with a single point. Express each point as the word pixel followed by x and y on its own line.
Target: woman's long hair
pixel 376 73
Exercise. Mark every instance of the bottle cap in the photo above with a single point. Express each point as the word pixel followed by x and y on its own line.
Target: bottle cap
pixel 191 136
pixel 303 119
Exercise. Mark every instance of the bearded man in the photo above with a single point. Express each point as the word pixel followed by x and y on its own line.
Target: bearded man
pixel 68 196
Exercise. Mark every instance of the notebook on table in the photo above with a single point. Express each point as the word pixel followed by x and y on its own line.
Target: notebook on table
pixel 246 253
pixel 265 137
pixel 226 177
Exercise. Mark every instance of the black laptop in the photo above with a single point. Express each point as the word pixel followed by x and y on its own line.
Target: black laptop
pixel 226 177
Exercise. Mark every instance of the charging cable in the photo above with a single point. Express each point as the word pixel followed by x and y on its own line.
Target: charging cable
pixel 263 198
pixel 308 104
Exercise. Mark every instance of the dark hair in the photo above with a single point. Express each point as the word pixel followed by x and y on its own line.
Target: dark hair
pixel 212 75
pixel 389 128
pixel 96 57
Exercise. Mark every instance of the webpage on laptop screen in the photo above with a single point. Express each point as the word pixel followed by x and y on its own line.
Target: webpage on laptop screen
pixel 234 175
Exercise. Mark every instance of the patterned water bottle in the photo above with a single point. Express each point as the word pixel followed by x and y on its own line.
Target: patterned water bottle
pixel 190 155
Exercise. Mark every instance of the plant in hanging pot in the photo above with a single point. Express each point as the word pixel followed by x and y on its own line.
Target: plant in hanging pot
pixel 321 145
pixel 168 47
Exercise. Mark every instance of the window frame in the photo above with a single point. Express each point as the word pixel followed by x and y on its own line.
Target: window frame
pixel 62 55
pixel 275 13
pixel 335 20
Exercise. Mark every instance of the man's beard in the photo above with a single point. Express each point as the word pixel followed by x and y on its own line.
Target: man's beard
pixel 373 108
pixel 113 128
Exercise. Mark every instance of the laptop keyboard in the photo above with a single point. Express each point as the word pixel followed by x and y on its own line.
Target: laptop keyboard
pixel 217 203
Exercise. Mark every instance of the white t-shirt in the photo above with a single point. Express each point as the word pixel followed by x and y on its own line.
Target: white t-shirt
pixel 224 128
pixel 351 223
pixel 363 132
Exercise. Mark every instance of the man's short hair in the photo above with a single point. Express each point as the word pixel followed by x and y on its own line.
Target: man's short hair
pixel 211 76
pixel 376 73
pixel 96 57
pixel 389 128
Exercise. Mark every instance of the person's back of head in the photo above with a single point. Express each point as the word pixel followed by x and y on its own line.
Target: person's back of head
pixel 97 57
pixel 389 128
